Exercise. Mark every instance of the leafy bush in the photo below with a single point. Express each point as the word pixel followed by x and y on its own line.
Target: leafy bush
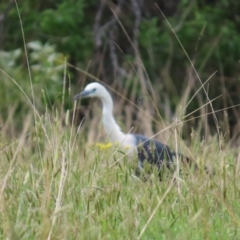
pixel 46 68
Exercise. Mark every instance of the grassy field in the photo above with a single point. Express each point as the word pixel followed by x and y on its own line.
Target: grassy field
pixel 54 186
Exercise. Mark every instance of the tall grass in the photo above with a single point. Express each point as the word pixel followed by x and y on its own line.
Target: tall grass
pixel 56 185
pixel 52 188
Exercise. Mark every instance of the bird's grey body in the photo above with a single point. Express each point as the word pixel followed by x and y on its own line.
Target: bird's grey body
pixel 151 150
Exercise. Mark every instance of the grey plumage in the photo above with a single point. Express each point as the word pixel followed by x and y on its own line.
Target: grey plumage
pixel 155 153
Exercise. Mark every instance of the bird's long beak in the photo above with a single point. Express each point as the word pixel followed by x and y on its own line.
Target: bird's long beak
pixel 82 94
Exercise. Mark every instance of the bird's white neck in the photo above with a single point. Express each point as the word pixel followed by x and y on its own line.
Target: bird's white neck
pixel 112 129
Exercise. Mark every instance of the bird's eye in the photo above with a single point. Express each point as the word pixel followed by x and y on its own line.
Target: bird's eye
pixel 94 90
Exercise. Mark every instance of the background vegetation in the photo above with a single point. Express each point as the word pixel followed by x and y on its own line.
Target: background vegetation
pixel 56 185
pixel 107 38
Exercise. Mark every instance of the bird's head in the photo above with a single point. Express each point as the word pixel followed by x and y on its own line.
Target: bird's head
pixel 92 90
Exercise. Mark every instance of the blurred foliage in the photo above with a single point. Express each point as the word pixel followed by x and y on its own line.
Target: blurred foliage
pixel 64 23
pixel 47 68
pixel 61 30
pixel 198 34
pixel 210 34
